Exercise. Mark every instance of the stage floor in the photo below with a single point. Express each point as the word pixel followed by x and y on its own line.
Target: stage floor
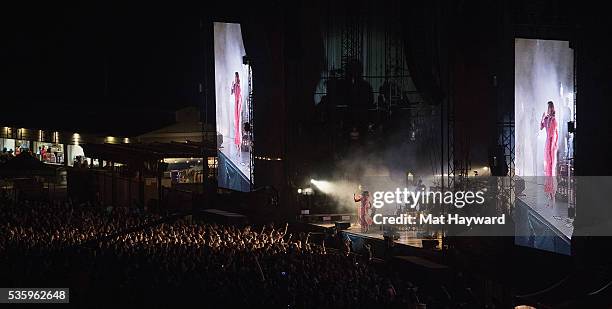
pixel 241 159
pixel 555 214
pixel 408 238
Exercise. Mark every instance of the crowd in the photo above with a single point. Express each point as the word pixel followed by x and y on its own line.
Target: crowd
pixel 180 261
pixel 240 267
pixel 39 226
pixel 6 155
pixel 32 233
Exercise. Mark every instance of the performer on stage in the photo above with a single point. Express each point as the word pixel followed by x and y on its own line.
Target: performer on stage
pixel 237 110
pixel 550 150
pixel 363 210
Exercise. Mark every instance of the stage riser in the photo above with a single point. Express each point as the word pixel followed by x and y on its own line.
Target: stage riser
pixel 331 218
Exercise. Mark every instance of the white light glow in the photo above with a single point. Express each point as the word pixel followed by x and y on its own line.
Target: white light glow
pixel 308 191
pixel 324 186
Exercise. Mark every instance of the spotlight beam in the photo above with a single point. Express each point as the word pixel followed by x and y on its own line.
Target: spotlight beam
pixel 324 186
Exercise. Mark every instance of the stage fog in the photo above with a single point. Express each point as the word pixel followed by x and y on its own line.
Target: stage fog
pixel 397 162
pixel 544 71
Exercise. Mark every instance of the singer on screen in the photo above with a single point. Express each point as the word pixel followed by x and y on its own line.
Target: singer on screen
pixel 237 110
pixel 549 123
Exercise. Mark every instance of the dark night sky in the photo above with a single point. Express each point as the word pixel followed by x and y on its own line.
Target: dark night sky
pixel 111 68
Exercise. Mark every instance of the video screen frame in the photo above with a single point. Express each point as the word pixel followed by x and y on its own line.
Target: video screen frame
pixel 544 84
pixel 233 108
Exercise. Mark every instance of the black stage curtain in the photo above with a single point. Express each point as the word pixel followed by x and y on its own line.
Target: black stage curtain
pixel 424 30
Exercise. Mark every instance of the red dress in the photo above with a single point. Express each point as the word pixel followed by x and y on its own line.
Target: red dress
pixel 550 151
pixel 364 211
pixel 237 111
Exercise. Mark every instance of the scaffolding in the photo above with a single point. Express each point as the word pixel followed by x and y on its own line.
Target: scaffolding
pixel 352 37
pixel 370 34
pixel 359 32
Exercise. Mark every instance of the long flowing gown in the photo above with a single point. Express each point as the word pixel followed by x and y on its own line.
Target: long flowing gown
pixel 237 111
pixel 364 211
pixel 550 152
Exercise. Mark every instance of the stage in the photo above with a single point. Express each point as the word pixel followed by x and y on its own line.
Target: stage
pixel 406 254
pixel 540 223
pixel 241 159
pixel 406 238
pixel 232 175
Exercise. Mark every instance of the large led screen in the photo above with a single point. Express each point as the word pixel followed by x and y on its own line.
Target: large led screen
pixel 233 111
pixel 544 110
